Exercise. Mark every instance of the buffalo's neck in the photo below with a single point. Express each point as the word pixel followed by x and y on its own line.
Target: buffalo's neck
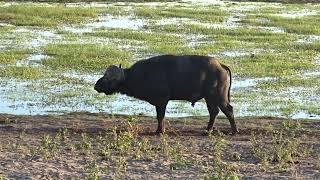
pixel 125 87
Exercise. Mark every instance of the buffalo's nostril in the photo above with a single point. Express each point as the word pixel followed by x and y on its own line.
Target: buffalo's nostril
pixel 98 89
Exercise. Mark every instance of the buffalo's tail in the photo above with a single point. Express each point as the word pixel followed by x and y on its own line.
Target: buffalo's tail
pixel 228 69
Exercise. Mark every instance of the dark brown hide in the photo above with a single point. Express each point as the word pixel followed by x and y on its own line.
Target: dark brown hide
pixel 162 78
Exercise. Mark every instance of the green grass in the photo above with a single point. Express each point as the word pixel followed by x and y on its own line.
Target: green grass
pixel 45 16
pixel 135 35
pixel 115 10
pixel 286 82
pixel 280 57
pixel 254 38
pixel 307 46
pixel 299 25
pixel 241 37
pixel 281 152
pixel 167 48
pixel 272 64
pixel 10 57
pixel 197 13
pixel 154 43
pixel 186 28
pixel 26 73
pixel 312 108
pixel 6 28
pixel 84 57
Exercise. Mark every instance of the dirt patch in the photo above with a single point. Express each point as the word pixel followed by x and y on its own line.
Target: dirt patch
pixel 84 145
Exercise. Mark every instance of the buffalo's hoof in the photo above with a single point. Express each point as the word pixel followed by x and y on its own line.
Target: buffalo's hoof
pixel 211 129
pixel 159 132
pixel 211 132
pixel 235 131
pixel 206 133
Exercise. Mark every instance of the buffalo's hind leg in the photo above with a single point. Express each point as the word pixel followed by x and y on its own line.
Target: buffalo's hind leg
pixel 227 109
pixel 213 111
pixel 161 109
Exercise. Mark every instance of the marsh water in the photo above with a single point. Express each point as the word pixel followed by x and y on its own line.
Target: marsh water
pixel 45 96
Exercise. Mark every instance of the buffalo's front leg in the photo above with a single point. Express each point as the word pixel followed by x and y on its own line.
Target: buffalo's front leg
pixel 161 109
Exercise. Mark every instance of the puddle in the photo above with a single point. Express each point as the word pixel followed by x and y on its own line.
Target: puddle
pixel 6 24
pixel 317 60
pixel 231 22
pixel 236 84
pixel 33 60
pixel 204 2
pixel 304 115
pixel 108 21
pixel 33 39
pixel 298 14
pixel 309 39
pixel 240 53
pixel 125 5
pixel 196 40
pixel 212 25
pixel 316 73
pixel 272 29
pixel 40 37
pixel 168 21
pixel 235 53
pixel 83 77
pixel 125 22
pixel 242 8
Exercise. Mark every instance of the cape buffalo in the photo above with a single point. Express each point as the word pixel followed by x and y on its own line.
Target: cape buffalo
pixel 168 77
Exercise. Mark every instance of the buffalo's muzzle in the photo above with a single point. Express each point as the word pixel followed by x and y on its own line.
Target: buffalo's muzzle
pixel 97 89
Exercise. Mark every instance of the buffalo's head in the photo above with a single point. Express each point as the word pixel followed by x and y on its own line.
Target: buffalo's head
pixel 111 80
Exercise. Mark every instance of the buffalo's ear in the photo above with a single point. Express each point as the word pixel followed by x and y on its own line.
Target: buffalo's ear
pixel 120 66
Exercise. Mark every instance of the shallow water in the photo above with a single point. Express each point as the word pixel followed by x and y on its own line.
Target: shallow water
pixel 17 98
pixel 297 14
pixel 304 115
pixel 235 53
pixel 27 97
pixel 108 21
pixel 33 60
pixel 309 39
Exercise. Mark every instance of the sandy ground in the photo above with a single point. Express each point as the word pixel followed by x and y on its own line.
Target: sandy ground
pixel 21 137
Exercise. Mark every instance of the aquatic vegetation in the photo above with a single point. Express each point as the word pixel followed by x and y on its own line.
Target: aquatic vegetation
pixel 299 25
pixel 198 13
pixel 10 57
pixel 28 73
pixel 45 16
pixel 271 49
pixel 84 57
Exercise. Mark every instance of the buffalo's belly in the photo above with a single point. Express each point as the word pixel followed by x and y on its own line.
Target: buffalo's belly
pixel 191 97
